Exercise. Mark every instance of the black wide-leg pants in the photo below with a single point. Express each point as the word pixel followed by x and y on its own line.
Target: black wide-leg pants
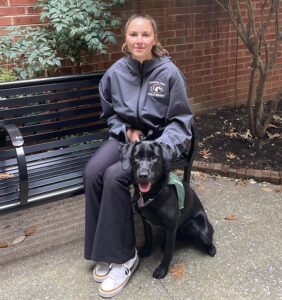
pixel 109 223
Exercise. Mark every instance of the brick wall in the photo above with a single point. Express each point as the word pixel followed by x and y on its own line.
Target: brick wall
pixel 199 37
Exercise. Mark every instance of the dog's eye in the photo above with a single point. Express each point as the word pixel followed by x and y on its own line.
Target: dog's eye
pixel 153 156
pixel 137 156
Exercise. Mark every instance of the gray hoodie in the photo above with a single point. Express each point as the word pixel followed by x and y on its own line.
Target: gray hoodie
pixel 150 97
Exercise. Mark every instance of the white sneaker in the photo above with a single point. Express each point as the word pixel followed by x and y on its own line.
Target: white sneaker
pixel 118 277
pixel 100 271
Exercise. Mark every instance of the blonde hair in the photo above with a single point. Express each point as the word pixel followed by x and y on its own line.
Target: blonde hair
pixel 157 50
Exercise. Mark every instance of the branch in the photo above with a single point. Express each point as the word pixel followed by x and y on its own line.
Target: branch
pixel 251 16
pixel 240 18
pixel 277 33
pixel 242 33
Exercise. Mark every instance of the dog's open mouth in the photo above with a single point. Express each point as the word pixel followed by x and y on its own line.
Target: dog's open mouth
pixel 144 187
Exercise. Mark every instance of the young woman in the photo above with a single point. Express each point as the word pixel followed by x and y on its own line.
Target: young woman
pixel 142 94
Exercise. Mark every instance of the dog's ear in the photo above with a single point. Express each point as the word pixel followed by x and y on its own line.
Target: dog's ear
pixel 168 154
pixel 125 154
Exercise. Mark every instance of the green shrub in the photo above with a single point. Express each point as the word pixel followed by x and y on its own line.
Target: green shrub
pixel 80 25
pixel 7 75
pixel 29 51
pixel 71 28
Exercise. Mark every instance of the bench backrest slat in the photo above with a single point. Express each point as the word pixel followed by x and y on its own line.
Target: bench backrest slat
pixel 49 96
pixel 50 106
pixel 53 115
pixel 25 90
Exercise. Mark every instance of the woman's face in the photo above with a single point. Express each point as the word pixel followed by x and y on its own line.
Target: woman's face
pixel 140 38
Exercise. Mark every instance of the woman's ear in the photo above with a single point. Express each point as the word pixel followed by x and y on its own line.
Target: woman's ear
pixel 156 39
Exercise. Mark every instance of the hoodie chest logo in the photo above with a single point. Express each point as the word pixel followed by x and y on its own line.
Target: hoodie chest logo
pixel 156 89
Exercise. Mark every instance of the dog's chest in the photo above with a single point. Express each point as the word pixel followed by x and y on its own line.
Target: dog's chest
pixel 152 217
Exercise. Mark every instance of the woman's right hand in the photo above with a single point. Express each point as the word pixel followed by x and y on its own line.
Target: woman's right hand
pixel 133 134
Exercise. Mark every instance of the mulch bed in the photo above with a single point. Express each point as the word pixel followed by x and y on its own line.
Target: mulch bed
pixel 224 138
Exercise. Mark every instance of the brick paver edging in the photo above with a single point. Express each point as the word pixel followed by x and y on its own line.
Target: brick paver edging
pixel 274 177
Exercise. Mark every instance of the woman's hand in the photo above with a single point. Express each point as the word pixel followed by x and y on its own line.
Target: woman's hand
pixel 133 134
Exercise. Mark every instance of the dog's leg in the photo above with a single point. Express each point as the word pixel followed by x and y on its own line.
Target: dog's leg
pixel 204 231
pixel 146 249
pixel 162 269
pixel 211 250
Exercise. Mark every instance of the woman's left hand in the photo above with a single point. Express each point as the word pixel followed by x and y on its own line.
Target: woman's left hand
pixel 133 134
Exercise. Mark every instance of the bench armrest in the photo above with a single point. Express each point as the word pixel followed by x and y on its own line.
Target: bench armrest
pixel 18 143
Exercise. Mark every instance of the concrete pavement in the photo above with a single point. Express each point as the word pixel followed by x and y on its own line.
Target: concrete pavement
pixel 49 264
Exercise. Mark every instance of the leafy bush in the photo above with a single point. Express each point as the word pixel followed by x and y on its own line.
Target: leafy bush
pixel 71 28
pixel 80 25
pixel 7 75
pixel 29 51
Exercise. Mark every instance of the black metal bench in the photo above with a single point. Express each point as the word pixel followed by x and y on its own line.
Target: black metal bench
pixel 49 128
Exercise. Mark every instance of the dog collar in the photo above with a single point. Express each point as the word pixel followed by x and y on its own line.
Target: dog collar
pixel 141 202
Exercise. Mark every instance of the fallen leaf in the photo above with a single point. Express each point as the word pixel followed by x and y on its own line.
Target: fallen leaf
pixel 201 176
pixel 231 134
pixel 30 231
pixel 200 144
pixel 3 245
pixel 18 240
pixel 178 272
pixel 275 135
pixel 272 125
pixel 7 175
pixel 246 135
pixel 267 189
pixel 205 153
pixel 278 190
pixel 201 188
pixel 233 218
pixel 230 155
pixel 241 182
pixel 178 172
pixel 277 118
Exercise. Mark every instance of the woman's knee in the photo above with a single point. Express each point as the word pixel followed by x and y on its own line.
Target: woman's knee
pixel 115 176
pixel 91 172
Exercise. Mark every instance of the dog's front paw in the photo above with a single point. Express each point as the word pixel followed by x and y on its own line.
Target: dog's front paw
pixel 160 272
pixel 211 250
pixel 145 251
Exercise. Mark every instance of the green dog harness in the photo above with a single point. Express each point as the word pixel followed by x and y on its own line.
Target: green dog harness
pixel 173 180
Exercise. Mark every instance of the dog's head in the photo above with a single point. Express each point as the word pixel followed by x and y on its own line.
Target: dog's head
pixel 148 160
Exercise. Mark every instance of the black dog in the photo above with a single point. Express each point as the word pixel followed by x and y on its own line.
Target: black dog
pixel 157 202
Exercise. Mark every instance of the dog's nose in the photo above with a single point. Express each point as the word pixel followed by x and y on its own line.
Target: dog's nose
pixel 143 175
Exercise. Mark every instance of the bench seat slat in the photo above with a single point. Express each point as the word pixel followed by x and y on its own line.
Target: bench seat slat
pixel 8 199
pixel 12 163
pixel 51 187
pixel 57 144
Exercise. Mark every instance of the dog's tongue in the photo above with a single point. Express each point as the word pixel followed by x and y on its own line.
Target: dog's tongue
pixel 144 187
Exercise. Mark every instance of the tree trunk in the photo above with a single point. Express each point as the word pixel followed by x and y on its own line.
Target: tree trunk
pixel 250 97
pixel 260 129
